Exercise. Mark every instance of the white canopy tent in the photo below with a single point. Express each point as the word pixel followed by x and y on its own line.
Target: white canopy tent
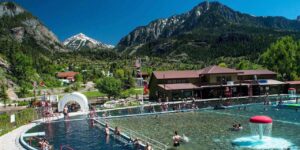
pixel 74 97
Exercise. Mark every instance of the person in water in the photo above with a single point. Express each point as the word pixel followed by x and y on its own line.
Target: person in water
pixel 65 112
pixel 237 127
pixel 117 131
pixel 148 146
pixel 176 139
pixel 136 143
pixel 240 127
pixel 106 129
pixel 44 144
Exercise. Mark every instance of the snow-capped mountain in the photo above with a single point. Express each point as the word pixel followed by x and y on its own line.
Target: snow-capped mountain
pixel 81 41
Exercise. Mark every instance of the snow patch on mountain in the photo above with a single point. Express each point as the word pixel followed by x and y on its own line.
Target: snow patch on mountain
pixel 80 40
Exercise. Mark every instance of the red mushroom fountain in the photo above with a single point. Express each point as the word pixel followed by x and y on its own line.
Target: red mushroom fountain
pixel 261 128
pixel 261 125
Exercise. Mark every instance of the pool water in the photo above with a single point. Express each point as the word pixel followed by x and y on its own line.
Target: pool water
pixel 79 135
pixel 210 129
pixel 206 128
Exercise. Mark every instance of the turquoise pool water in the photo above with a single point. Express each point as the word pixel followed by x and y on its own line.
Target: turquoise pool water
pixel 206 128
pixel 79 135
pixel 210 129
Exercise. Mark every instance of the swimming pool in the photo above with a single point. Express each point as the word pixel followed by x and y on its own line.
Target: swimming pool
pixel 210 129
pixel 206 128
pixel 78 135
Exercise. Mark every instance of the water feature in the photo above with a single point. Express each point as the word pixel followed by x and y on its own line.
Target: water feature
pixel 261 129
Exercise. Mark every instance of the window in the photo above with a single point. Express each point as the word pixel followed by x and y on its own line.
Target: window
pixel 223 79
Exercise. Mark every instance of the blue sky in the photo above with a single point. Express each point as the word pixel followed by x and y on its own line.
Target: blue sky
pixel 109 20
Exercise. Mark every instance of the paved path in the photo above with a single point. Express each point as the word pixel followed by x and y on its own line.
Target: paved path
pixel 10 140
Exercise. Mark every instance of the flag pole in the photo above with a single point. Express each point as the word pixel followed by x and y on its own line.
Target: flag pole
pixel 142 82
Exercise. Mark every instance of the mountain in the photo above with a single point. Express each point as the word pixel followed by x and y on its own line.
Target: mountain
pixel 208 31
pixel 27 48
pixel 298 18
pixel 19 25
pixel 81 41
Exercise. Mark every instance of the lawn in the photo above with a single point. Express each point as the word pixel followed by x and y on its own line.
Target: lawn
pixel 93 94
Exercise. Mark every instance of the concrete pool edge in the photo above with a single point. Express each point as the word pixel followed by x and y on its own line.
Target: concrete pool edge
pixel 22 141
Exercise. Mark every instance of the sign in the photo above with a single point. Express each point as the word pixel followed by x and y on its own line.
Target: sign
pixel 12 118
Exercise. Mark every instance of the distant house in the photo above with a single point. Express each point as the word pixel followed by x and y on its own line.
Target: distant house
pixel 70 75
pixel 212 82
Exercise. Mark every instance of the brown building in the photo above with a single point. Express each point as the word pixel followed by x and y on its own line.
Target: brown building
pixel 212 82
pixel 70 75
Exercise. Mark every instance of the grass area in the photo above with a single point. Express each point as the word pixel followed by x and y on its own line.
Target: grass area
pixel 93 94
pixel 22 117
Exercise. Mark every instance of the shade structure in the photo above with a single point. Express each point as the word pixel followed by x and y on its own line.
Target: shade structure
pixel 74 97
pixel 261 119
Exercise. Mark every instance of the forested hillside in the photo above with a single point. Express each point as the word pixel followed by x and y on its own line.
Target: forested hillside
pixel 207 34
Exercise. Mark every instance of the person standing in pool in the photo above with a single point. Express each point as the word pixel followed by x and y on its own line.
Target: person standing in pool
pixel 117 131
pixel 148 147
pixel 106 130
pixel 176 139
pixel 65 112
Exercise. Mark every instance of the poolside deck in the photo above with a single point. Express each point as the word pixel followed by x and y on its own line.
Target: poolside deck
pixel 11 139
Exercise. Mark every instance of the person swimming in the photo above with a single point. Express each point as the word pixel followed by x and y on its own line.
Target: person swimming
pixel 236 127
pixel 176 139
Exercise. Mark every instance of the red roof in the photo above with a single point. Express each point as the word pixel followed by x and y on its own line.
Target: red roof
pixel 217 70
pixel 292 82
pixel 176 74
pixel 66 74
pixel 178 86
pixel 208 70
pixel 256 72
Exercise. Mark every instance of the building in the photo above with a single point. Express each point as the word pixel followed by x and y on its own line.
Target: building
pixel 69 75
pixel 212 82
pixel 293 84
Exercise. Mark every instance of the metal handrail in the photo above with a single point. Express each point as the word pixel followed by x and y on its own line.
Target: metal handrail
pixel 133 134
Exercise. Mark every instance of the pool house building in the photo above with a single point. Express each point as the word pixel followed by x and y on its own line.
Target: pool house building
pixel 212 82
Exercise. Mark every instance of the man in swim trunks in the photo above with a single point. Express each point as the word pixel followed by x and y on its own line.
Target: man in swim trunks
pixel 176 139
pixel 65 112
pixel 106 129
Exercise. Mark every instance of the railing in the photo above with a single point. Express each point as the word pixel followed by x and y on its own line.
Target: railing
pixel 135 135
pixel 131 135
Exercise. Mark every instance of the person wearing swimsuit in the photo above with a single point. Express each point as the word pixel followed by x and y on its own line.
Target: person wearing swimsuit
pixel 176 139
